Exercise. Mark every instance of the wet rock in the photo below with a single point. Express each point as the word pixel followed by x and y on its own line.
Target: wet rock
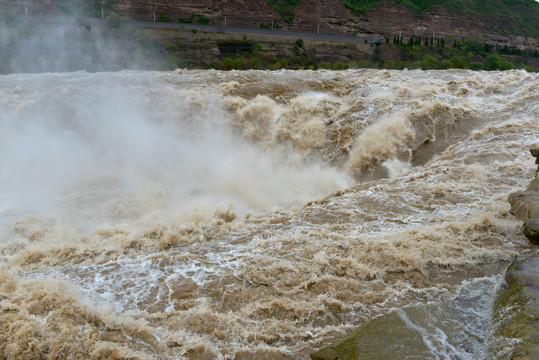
pixel 525 205
pixel 535 153
pixel 517 311
pixel 385 337
pixel 531 230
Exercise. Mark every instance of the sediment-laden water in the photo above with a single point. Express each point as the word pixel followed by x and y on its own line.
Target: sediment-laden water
pixel 257 215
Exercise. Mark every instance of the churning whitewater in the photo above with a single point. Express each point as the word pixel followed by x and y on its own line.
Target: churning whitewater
pixel 256 215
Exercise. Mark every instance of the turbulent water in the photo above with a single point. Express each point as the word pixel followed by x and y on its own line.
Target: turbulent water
pixel 252 215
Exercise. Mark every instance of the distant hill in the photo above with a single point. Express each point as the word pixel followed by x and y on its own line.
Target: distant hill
pixel 513 23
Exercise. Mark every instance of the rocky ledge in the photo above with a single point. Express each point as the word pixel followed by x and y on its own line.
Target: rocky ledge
pixel 525 204
pixel 517 312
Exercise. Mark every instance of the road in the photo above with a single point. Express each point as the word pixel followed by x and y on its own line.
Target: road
pixel 56 19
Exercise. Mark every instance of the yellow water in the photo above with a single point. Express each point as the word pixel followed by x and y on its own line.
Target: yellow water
pixel 248 215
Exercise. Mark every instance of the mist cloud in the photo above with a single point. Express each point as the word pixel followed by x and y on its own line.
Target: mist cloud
pixel 54 43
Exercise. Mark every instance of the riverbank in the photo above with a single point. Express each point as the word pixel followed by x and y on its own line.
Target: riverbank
pixel 227 50
pixel 115 43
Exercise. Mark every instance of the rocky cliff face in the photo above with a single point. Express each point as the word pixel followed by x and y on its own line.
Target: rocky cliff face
pixel 388 19
pixel 330 16
pixel 327 16
pixel 242 13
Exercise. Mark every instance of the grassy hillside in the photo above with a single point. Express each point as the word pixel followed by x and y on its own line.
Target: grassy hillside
pixel 491 7
pixel 521 16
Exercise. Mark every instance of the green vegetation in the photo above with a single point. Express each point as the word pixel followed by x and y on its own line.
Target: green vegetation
pixel 437 54
pixel 187 20
pixel 201 19
pixel 163 18
pixel 520 15
pixel 339 65
pixel 256 60
pixel 506 16
pixel 285 8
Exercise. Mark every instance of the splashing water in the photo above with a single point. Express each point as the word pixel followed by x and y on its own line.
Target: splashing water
pixel 248 215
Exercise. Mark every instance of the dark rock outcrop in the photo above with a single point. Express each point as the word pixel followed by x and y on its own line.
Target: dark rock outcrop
pixel 525 205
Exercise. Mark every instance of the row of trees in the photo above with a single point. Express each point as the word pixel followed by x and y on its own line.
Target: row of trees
pixel 417 40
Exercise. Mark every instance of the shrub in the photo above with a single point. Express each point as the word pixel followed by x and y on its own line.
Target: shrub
pixel 144 39
pixel 429 62
pixel 324 65
pixel 475 66
pixel 364 64
pixel 258 47
pixel 506 65
pixel 201 19
pixel 458 62
pixel 187 20
pixel 226 64
pixel 416 64
pixel 445 64
pixel 495 62
pixel 389 64
pixel 492 62
pixel 240 63
pixel 256 63
pixel 173 61
pixel 339 65
pixel 163 18
pixel 171 47
pixel 299 43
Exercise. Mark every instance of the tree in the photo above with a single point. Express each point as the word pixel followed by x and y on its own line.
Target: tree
pixel 324 65
pixel 445 64
pixel 429 63
pixel 458 62
pixel 475 66
pixel 492 62
pixel 339 65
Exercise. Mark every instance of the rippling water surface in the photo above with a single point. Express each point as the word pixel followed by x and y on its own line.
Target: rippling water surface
pixel 251 215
